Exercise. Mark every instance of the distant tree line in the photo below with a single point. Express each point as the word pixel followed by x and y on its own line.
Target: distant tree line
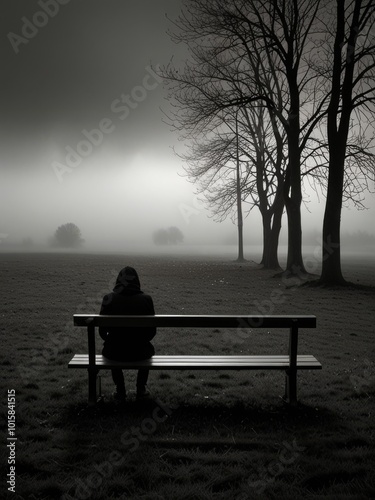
pixel 171 236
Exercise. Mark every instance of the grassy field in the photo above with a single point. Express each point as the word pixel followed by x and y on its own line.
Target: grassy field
pixel 202 435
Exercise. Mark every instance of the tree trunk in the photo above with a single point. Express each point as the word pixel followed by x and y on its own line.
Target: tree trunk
pixel 338 122
pixel 240 257
pixel 266 223
pixel 273 260
pixel 292 184
pixel 270 259
pixel 295 265
pixel 331 259
pixel 271 233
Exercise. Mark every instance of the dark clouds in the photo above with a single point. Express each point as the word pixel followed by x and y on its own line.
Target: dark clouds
pixel 63 80
pixel 66 75
pixel 66 78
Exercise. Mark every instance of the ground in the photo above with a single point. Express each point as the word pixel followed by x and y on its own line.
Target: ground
pixel 203 435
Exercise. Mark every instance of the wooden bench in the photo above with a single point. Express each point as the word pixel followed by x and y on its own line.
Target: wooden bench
pixel 290 362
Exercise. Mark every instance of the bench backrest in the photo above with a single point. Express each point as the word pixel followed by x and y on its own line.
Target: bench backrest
pixel 201 321
pixel 196 321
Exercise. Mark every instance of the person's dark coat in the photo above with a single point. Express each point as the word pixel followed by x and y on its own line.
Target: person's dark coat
pixel 127 298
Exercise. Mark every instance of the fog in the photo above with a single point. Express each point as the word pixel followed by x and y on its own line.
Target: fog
pixel 83 138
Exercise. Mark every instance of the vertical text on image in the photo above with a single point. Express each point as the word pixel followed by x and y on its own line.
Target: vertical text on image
pixel 11 444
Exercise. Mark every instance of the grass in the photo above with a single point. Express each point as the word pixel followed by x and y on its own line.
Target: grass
pixel 203 435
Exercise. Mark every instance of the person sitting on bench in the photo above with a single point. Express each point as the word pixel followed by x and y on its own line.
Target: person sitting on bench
pixel 123 344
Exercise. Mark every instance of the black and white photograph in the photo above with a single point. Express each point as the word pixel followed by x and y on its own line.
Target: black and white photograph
pixel 187 249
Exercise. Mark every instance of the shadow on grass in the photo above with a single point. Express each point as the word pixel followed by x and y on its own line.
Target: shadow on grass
pixel 346 285
pixel 204 420
pixel 201 449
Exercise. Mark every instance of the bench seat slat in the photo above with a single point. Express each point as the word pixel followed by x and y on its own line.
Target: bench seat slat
pixel 195 362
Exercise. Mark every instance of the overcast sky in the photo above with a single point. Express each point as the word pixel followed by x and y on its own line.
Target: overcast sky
pixel 82 72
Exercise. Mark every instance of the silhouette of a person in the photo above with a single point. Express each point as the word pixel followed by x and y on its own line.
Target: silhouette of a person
pixel 128 344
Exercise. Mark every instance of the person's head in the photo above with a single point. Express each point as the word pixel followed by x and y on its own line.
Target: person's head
pixel 127 281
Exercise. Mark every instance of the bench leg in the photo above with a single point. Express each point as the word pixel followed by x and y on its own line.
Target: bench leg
pixel 291 387
pixel 92 385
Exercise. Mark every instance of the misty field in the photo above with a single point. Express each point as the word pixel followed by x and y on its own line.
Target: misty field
pixel 203 434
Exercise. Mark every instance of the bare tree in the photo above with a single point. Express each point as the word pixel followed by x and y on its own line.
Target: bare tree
pixel 213 98
pixel 277 55
pixel 279 32
pixel 243 164
pixel 251 53
pixel 352 97
pixel 268 163
pixel 218 170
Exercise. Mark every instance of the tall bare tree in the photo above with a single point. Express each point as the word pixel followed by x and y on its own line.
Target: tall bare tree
pixel 277 55
pixel 251 53
pixel 243 164
pixel 266 144
pixel 217 166
pixel 352 97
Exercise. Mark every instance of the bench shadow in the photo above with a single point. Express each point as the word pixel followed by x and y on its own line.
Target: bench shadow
pixel 198 431
pixel 198 418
